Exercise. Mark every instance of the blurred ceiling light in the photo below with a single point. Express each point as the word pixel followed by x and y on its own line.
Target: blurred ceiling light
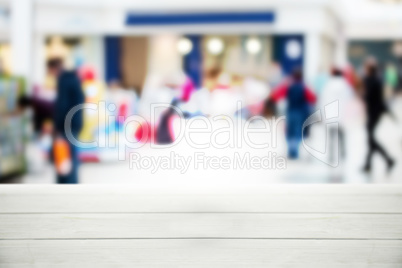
pixel 184 46
pixel 253 45
pixel 215 46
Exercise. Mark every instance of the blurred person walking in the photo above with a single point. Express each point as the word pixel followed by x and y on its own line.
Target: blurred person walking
pixel 375 108
pixel 69 94
pixel 320 81
pixel 299 100
pixel 337 89
pixel 391 79
pixel 399 71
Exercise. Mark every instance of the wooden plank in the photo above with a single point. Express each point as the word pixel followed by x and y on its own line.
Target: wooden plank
pixel 301 226
pixel 283 198
pixel 200 253
pixel 176 189
pixel 206 203
pixel 201 225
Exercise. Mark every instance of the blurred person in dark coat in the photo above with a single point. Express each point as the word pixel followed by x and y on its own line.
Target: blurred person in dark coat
pixel 69 94
pixel 375 108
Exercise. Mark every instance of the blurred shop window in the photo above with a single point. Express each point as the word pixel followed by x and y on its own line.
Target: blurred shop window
pixel 56 48
pixel 397 49
pixel 134 65
pixel 357 51
pixel 4 15
pixel 5 58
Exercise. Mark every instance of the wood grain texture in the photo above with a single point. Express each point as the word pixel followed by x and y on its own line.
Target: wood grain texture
pixel 181 226
pixel 200 225
pixel 273 198
pixel 200 253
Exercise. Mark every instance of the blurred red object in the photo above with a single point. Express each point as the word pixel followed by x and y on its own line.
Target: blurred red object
pixel 62 156
pixel 86 73
pixel 123 112
pixel 88 158
pixel 187 89
pixel 350 76
pixel 145 129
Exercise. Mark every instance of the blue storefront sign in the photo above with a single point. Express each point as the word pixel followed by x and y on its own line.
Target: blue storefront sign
pixel 141 19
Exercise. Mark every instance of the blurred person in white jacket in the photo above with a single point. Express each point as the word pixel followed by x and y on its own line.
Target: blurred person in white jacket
pixel 337 89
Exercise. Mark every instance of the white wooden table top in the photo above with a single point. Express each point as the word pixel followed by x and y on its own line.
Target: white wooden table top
pixel 173 226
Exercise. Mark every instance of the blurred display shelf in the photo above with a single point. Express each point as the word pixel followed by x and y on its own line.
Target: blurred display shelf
pixel 11 128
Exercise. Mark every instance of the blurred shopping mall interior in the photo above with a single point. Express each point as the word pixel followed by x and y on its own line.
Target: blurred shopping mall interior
pixel 219 60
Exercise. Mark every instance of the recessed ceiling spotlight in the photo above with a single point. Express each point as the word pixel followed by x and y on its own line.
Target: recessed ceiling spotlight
pixel 215 46
pixel 184 46
pixel 253 45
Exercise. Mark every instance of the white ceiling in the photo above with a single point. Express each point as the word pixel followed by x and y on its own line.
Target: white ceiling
pixel 372 10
